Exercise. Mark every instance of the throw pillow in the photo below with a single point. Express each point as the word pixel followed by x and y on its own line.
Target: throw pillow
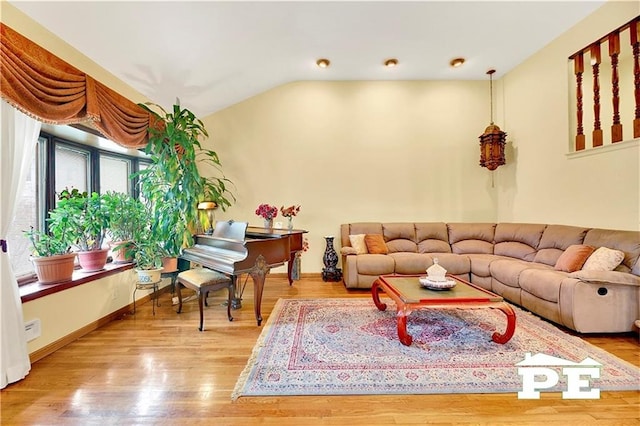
pixel 603 259
pixel 573 258
pixel 357 242
pixel 375 244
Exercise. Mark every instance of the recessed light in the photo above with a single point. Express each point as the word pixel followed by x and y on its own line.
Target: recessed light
pixel 391 62
pixel 456 62
pixel 323 63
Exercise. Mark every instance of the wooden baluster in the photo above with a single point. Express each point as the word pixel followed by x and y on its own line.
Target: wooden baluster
pixel 578 69
pixel 634 30
pixel 614 51
pixel 595 64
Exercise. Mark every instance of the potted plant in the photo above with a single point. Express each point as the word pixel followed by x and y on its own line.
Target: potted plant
pixel 88 221
pixel 51 254
pixel 148 254
pixel 126 214
pixel 173 185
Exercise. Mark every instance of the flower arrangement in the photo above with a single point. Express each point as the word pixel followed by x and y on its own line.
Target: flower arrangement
pixel 290 211
pixel 267 211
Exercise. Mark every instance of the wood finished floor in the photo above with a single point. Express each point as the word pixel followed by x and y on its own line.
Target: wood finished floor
pixel 144 369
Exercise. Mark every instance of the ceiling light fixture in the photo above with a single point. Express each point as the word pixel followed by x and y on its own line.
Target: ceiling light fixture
pixel 389 63
pixel 323 63
pixel 457 62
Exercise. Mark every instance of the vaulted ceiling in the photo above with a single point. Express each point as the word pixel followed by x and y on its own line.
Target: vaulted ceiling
pixel 212 54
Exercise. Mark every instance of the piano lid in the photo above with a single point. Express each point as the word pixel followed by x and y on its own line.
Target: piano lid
pixel 230 229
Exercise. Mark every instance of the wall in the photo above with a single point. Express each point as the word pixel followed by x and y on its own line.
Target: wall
pixel 357 151
pixel 544 183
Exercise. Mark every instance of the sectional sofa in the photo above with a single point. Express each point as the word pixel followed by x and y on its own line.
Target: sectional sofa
pixel 540 267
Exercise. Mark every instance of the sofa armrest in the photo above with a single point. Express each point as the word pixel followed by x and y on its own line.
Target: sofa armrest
pixel 607 277
pixel 345 251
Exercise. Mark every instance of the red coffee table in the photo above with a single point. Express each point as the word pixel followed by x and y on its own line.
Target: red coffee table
pixel 409 295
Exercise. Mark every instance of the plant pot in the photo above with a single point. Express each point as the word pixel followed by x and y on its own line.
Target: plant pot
pixel 124 254
pixel 169 264
pixel 149 276
pixel 93 260
pixel 54 269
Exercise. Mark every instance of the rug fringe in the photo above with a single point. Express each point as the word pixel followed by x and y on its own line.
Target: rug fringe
pixel 242 379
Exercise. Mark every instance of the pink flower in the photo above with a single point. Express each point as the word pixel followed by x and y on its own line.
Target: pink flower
pixel 267 211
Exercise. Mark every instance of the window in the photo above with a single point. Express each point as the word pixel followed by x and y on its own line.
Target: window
pixel 66 158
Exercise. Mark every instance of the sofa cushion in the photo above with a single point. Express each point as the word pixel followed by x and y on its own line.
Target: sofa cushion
pixel 555 240
pixel 375 244
pixel 375 264
pixel 432 237
pixel 544 284
pixel 480 263
pixel 454 264
pixel 471 237
pixel 604 259
pixel 411 263
pixel 507 271
pixel 573 258
pixel 518 240
pixel 400 246
pixel 357 242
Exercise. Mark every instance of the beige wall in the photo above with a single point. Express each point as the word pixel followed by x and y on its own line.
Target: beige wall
pixel 543 183
pixel 358 151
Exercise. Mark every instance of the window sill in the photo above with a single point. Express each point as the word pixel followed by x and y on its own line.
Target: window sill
pixel 36 290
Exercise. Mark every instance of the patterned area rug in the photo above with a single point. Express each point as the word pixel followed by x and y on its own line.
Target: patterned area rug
pixel 347 346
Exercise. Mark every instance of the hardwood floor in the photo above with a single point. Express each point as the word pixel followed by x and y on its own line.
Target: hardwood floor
pixel 145 369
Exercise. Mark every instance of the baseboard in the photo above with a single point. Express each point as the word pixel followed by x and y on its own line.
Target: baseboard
pixel 38 354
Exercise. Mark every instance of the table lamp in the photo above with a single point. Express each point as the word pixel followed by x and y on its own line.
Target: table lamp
pixel 208 207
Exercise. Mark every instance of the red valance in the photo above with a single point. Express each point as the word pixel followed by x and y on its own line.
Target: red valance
pixel 47 88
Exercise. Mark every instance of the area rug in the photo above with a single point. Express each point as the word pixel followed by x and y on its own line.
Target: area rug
pixel 349 347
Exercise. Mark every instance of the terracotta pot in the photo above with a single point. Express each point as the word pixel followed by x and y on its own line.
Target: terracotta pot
pixel 124 254
pixel 169 264
pixel 94 260
pixel 54 269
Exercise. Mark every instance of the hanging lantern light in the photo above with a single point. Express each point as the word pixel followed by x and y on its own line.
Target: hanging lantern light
pixel 493 140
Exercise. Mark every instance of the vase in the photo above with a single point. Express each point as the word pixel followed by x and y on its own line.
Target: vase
pixel 330 259
pixel 290 223
pixel 268 223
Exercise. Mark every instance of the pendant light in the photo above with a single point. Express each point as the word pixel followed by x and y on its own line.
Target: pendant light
pixel 493 140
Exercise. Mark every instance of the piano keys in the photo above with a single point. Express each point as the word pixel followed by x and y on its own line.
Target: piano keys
pixel 236 248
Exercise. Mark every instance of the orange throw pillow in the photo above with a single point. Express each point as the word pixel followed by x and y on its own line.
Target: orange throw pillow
pixel 375 244
pixel 573 258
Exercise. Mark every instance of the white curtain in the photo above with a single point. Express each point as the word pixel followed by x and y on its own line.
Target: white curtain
pixel 18 137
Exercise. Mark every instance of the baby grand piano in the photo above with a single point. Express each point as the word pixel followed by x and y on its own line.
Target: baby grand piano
pixel 236 248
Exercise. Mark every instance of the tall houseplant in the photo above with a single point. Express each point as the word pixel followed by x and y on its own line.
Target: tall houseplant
pixel 173 185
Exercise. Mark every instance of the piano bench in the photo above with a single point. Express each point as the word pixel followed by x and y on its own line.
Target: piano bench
pixel 202 281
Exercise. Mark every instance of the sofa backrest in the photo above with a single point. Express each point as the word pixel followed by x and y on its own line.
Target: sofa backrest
pixel 555 240
pixel 519 240
pixel 400 237
pixel 471 237
pixel 627 241
pixel 432 237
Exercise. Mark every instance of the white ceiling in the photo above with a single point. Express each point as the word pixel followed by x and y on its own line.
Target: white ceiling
pixel 213 54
